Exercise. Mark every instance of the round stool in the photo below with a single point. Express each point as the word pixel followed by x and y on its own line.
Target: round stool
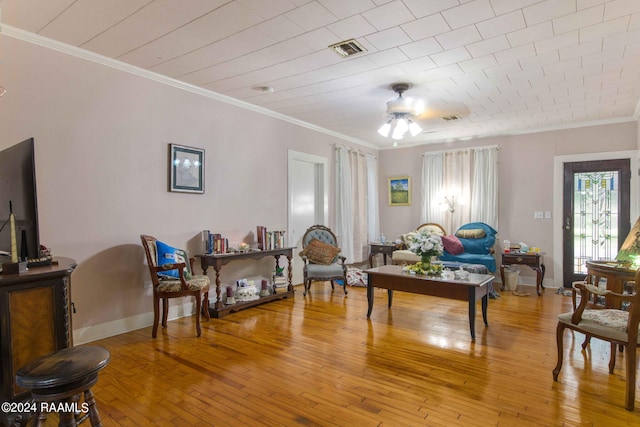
pixel 58 379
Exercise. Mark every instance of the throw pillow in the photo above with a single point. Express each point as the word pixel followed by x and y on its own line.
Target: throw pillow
pixel 170 255
pixel 407 238
pixel 320 253
pixel 471 233
pixel 452 244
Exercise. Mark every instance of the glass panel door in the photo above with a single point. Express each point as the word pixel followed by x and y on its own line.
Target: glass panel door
pixel 595 217
pixel 595 213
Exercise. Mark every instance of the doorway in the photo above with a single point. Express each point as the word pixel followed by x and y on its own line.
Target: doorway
pixel 595 213
pixel 307 196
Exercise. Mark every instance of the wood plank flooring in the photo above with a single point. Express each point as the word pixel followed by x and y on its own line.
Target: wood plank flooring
pixel 318 361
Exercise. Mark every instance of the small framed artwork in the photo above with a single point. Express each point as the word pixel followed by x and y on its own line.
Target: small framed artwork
pixel 186 169
pixel 400 191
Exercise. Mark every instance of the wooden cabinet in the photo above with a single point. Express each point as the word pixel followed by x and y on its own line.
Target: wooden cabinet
pixel 35 319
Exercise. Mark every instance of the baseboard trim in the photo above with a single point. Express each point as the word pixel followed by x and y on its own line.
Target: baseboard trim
pixel 92 333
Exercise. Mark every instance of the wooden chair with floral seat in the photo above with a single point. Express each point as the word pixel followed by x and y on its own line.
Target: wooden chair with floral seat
pixel 322 259
pixel 617 326
pixel 173 279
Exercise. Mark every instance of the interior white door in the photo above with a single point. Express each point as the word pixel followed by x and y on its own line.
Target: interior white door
pixel 307 200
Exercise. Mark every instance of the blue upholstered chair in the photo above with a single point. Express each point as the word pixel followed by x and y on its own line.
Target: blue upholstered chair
pixel 477 250
pixel 322 261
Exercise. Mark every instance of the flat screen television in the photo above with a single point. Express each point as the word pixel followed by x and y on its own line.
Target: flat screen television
pixel 18 189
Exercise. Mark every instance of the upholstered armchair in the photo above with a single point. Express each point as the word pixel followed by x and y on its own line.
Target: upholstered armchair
pixel 471 244
pixel 405 256
pixel 322 261
pixel 170 270
pixel 617 326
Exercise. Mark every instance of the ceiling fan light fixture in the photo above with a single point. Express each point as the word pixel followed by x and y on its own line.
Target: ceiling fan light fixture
pixel 385 129
pixel 401 111
pixel 414 128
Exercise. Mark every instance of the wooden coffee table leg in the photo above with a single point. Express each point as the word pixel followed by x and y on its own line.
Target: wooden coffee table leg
pixel 369 296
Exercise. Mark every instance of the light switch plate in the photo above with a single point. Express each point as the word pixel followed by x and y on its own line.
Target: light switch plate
pixel 537 215
pixel 547 214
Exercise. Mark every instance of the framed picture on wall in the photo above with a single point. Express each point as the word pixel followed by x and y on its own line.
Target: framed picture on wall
pixel 186 169
pixel 400 191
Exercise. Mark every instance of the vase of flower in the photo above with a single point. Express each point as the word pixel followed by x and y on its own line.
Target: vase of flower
pixel 426 246
pixel 426 262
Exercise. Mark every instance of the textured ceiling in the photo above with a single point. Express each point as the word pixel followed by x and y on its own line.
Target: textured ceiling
pixel 503 66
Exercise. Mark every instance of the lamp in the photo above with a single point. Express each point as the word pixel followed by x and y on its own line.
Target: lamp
pixel 629 252
pixel 450 203
pixel 401 111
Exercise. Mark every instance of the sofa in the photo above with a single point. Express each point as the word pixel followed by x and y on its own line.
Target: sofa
pixel 477 239
pixel 470 244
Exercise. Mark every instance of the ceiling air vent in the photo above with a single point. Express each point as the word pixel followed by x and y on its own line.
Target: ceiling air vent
pixel 449 118
pixel 347 48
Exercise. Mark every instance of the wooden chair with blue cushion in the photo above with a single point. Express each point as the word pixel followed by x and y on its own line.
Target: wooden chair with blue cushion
pixel 617 326
pixel 322 261
pixel 171 274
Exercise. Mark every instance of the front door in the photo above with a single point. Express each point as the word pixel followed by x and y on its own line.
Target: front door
pixel 595 218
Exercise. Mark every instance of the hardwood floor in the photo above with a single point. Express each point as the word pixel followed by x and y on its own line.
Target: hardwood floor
pixel 317 361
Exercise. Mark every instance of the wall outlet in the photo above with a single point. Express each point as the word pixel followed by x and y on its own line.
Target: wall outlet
pixel 537 214
pixel 547 215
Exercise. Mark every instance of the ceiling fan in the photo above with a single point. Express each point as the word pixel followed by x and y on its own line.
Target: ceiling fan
pixel 402 110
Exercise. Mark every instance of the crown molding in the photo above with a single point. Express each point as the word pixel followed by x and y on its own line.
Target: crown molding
pixel 38 40
pixel 132 69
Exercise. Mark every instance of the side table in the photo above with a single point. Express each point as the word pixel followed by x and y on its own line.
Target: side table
pixel 534 260
pixel 386 249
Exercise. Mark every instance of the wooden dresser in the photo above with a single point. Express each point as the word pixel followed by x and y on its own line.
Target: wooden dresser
pixel 35 319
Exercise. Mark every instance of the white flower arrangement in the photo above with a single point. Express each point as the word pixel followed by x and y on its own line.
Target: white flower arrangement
pixel 426 244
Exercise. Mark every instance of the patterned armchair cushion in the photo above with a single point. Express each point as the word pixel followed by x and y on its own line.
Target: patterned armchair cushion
pixel 318 252
pixel 197 282
pixel 170 255
pixel 606 322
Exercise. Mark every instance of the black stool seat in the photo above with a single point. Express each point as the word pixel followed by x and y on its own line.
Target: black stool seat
pixel 61 377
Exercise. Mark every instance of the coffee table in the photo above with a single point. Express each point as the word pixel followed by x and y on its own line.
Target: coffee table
pixel 471 289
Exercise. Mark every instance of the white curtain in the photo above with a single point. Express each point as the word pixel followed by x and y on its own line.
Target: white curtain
pixel 432 167
pixel 344 208
pixel 357 211
pixel 484 194
pixel 373 214
pixel 359 194
pixel 459 187
pixel 456 189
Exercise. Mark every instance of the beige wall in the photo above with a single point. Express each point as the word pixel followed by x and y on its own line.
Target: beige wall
pixel 101 153
pixel 526 182
pixel 102 139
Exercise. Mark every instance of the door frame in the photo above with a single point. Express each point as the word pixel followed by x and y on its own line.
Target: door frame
pixel 321 191
pixel 558 189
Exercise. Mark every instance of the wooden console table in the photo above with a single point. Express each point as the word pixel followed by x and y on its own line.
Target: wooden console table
pixel 533 260
pixel 36 320
pixel 219 309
